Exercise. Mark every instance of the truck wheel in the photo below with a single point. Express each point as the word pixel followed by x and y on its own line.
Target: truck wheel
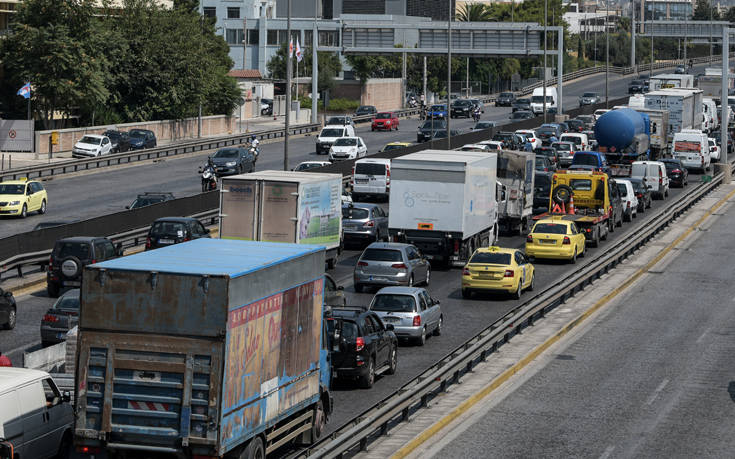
pixel 366 382
pixel 254 450
pixel 596 238
pixel 318 422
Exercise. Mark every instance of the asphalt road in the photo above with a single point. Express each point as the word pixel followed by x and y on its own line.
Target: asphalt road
pixel 653 378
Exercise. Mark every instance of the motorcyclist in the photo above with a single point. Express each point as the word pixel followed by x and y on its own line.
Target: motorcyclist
pixel 476 113
pixel 254 142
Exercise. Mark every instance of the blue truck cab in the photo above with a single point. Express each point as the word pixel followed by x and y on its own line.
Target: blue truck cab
pixel 590 160
pixel 208 348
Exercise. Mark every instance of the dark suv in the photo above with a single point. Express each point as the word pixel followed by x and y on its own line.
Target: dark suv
pixel 174 230
pixel 361 346
pixel 148 198
pixel 461 107
pixel 7 310
pixel 69 257
pixel 120 140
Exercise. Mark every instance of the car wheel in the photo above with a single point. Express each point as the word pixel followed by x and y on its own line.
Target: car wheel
pixel 627 216
pixel 42 210
pixel 393 361
pixel 573 260
pixel 319 422
pixel 438 329
pixel 582 251
pixel 367 381
pixel 10 324
pixel 466 294
pixel 421 340
pixel 519 291
pixel 620 222
pixel 24 211
pixel 410 281
pixel 428 276
pixel 254 450
pixel 650 202
pixel 359 288
pixel 52 290
pixel 533 281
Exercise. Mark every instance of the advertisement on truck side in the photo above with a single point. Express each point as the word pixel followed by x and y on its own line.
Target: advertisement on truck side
pixel 320 213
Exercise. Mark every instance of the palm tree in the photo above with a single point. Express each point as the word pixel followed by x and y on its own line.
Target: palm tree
pixel 474 12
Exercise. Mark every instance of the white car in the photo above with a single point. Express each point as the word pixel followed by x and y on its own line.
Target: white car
pixel 92 145
pixel 493 144
pixel 530 135
pixel 310 165
pixel 629 199
pixel 714 149
pixel 475 147
pixel 347 148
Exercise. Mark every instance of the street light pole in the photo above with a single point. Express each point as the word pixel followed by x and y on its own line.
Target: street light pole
pixel 543 76
pixel 288 86
pixel 607 53
pixel 314 67
pixel 449 76
pixel 724 115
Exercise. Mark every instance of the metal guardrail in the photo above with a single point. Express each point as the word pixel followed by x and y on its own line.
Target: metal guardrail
pixel 398 407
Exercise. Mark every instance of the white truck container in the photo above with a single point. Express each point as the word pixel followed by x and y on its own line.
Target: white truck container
pixel 516 174
pixel 659 125
pixel 711 83
pixel 284 206
pixel 444 202
pixel 684 107
pixel 670 81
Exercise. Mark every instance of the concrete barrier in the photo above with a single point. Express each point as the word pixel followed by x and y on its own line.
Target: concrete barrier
pixel 49 359
pixel 71 351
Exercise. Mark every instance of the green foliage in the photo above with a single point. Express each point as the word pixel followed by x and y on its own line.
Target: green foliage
pixel 704 11
pixel 342 105
pixel 474 12
pixel 328 65
pixel 730 15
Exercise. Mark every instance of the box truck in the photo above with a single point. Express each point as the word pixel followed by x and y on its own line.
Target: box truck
pixel 208 348
pixel 684 107
pixel 284 206
pixel 516 172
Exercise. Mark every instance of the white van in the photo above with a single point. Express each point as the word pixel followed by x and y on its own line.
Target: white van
pixel 653 174
pixel 580 141
pixel 34 416
pixel 691 147
pixel 711 120
pixel 371 177
pixel 330 134
pixel 537 99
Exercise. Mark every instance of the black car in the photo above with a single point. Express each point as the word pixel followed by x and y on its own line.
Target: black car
pixel 148 198
pixel 545 133
pixel 119 139
pixel 442 133
pixel 481 125
pixel 544 164
pixel 576 125
pixel 174 230
pixel 69 257
pixel 233 160
pixel 521 115
pixel 363 110
pixel 541 191
pixel 678 174
pixel 643 193
pixel 505 99
pixel 361 346
pixel 635 87
pixel 461 108
pixel 141 138
pixel 717 136
pixel 564 127
pixel 511 140
pixel 424 132
pixel 60 318
pixel 550 153
pixel 7 310
pixel 521 104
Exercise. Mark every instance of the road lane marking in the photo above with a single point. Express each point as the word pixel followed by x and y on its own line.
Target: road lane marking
pixel 658 390
pixel 699 340
pixel 608 451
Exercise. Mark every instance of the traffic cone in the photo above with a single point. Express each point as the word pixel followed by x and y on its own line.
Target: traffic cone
pixel 571 205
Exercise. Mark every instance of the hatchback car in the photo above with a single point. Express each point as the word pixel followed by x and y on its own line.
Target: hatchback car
pixel 142 138
pixel 496 269
pixel 361 346
pixel 428 128
pixel 364 110
pixel 60 318
pixel 386 121
pixel 395 146
pixel 69 257
pixel 550 153
pixel 306 165
pixel 18 197
pixel 521 115
pixel 462 107
pixel 555 239
pixel 589 98
pixel 8 310
pixel 174 230
pixel 437 111
pixel 120 140
pixel 347 148
pixel 565 151
pixel 150 198
pixel 630 201
pixel 642 193
pixel 678 174
pixel 521 104
pixel 232 161
pixel 413 313
pixel 576 125
pixel 391 263
pixel 505 99
pixel 364 222
pixel 92 145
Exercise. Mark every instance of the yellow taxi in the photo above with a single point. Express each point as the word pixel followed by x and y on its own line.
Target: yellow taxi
pixel 556 239
pixel 18 197
pixel 497 269
pixel 395 146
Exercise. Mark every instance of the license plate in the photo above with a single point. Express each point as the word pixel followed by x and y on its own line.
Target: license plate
pixel 487 275
pixel 547 241
pixel 165 241
pixel 392 319
pixel 72 283
pixel 361 181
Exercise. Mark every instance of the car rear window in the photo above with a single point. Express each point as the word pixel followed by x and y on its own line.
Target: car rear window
pixel 341 328
pixel 73 249
pixel 622 189
pixel 383 115
pixel 168 229
pixel 393 303
pixel 573 139
pixel 586 160
pixel 382 255
pixel 491 258
pixel 550 228
pixel 355 213
pixel 581 184
pixel 68 302
pixel 369 169
pixel 332 132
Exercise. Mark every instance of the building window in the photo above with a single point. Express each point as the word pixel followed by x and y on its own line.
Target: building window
pixel 328 38
pixel 308 34
pixel 210 12
pixel 234 36
pixel 272 37
pixel 233 12
pixel 253 36
pixel 283 36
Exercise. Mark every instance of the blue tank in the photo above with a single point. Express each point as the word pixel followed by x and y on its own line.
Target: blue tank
pixel 616 130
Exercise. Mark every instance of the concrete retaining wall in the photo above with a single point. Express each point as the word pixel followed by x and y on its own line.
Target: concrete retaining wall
pixel 49 359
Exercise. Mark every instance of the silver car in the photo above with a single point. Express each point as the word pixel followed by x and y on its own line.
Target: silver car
pixel 413 313
pixel 363 222
pixel 391 263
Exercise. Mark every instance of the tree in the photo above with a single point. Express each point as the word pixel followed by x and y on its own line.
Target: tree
pixel 730 15
pixel 328 64
pixel 473 12
pixel 704 11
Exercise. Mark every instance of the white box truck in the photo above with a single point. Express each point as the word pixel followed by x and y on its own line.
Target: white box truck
pixel 516 173
pixel 284 206
pixel 444 202
pixel 684 107
pixel 670 81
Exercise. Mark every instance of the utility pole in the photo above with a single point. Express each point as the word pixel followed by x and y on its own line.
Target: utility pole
pixel 467 87
pixel 543 77
pixel 449 76
pixel 404 86
pixel 650 69
pixel 632 38
pixel 314 67
pixel 724 115
pixel 686 30
pixel 710 32
pixel 289 70
pixel 607 52
pixel 426 96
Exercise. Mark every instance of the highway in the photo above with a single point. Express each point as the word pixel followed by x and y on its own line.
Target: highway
pixel 653 377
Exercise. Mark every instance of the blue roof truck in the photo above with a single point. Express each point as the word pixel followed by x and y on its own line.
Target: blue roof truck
pixel 208 348
pixel 624 136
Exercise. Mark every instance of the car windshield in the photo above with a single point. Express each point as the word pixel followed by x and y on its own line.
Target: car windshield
pixel 345 142
pixel 437 124
pixel 550 228
pixel 491 258
pixel 393 303
pixel 337 120
pixel 637 185
pixel 437 108
pixel 68 302
pixel 90 140
pixel 546 131
pixel 226 153
pixel 168 229
pixel 113 135
pixel 542 182
pixel 562 146
pixel 73 249
pixel 384 115
pixel 461 103
pixel 589 94
pixel 441 134
pixel 354 213
pixel 369 169
pixel 586 160
pixel 364 109
pixel 540 99
pixel 12 189
pixel 334 132
pixel 670 165
pixel 137 133
pixel 393 147
pixel 145 201
pixel 523 101
pixel 304 166
pixel 382 255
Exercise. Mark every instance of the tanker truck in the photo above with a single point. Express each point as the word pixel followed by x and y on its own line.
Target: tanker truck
pixel 624 135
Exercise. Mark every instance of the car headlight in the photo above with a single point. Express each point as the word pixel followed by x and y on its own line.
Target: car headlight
pixel 230 164
pixel 14 203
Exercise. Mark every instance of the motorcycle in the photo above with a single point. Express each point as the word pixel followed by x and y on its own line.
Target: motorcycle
pixel 412 103
pixel 255 151
pixel 209 178
pixel 476 115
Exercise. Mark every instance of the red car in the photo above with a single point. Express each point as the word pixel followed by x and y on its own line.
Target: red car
pixel 385 120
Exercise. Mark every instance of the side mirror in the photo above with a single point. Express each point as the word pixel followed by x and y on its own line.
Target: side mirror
pixel 390 327
pixel 119 249
pixel 66 396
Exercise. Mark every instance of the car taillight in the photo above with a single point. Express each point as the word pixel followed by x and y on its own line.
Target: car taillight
pixel 50 318
pixel 509 273
pixel 362 263
pixel 639 195
pixel 359 343
pixel 148 243
pixel 456 246
pixel 369 223
pixel 466 271
pixel 416 321
pixel 566 241
pixel 88 450
pixel 94 261
pixel 627 204
pixel 50 260
pixel 387 175
pixel 399 266
pixel 529 238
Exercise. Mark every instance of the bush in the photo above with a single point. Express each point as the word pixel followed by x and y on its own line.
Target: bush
pixel 343 105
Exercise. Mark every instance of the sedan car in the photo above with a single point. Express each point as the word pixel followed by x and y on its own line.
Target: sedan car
pixel 364 110
pixel 678 174
pixel 120 140
pixel 395 146
pixel 543 164
pixel 413 313
pixel 8 310
pixel 306 165
pixel 92 145
pixel 497 269
pixel 386 121
pixel 142 138
pixel 521 115
pixel 576 125
pixel 505 99
pixel 555 239
pixel 233 160
pixel 174 230
pixel 60 318
pixel 481 125
pixel 342 120
pixel 391 263
pixel 18 197
pixel 347 148
pixel 522 104
pixel 635 87
pixel 589 98
pixel 642 193
pixel 364 222
pixel 462 108
pixel 437 111
pixel 427 129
